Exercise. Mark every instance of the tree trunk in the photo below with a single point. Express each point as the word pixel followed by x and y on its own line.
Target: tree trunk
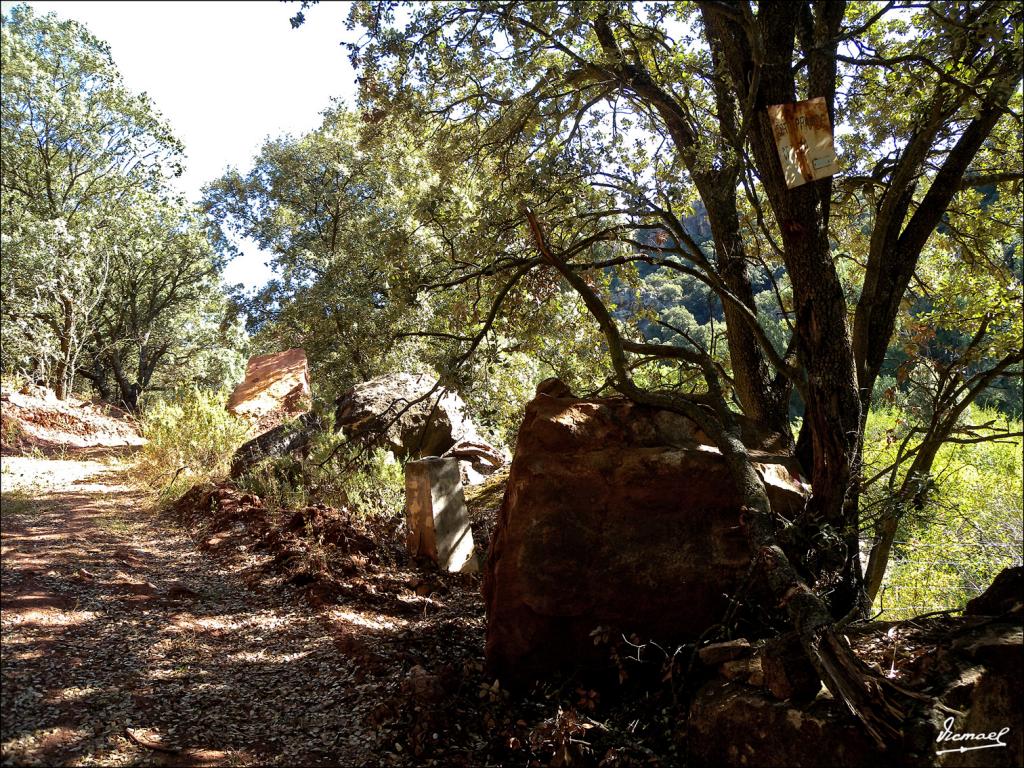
pixel 764 397
pixel 65 372
pixel 913 491
pixel 128 389
pixel 823 342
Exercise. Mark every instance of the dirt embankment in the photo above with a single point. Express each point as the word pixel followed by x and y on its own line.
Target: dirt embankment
pixel 33 418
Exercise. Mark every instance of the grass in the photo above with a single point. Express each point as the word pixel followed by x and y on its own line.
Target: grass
pixel 19 502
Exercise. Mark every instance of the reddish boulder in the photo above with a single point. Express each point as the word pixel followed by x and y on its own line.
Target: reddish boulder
pixel 735 725
pixel 275 389
pixel 1004 595
pixel 615 515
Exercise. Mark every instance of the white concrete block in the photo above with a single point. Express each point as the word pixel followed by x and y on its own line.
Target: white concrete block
pixel 436 516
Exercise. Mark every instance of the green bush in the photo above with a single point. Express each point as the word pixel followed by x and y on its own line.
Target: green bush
pixel 191 438
pixel 372 483
pixel 498 393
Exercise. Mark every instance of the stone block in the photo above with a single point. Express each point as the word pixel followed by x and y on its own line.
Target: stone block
pixel 436 516
pixel 273 383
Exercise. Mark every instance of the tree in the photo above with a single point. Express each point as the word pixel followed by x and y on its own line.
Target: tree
pixel 101 264
pixel 327 210
pixel 365 222
pixel 967 334
pixel 162 307
pixel 655 106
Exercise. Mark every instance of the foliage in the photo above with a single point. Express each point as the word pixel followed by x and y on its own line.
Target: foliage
pixel 161 319
pixel 969 529
pixel 498 393
pixel 340 221
pixel 616 123
pixel 366 222
pixel 191 438
pixel 370 483
pixel 105 273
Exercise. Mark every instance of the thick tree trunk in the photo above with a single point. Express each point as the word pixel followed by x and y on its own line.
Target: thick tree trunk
pixel 823 342
pixel 763 396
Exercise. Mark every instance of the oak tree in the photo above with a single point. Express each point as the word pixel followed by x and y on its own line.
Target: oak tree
pixel 656 106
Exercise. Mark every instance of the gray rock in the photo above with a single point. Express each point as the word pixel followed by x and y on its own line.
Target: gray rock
pixel 289 438
pixel 399 413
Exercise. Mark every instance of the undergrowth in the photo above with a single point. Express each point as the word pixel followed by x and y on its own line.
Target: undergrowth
pixel 191 438
pixel 335 473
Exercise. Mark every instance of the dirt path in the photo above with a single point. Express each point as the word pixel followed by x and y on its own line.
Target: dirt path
pixel 112 620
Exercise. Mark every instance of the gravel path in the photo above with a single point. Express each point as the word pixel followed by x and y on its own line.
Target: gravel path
pixel 124 645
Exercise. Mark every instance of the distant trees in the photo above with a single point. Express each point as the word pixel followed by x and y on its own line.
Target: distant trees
pixel 160 321
pixel 367 223
pixel 339 220
pixel 105 274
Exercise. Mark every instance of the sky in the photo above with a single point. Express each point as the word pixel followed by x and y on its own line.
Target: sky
pixel 226 75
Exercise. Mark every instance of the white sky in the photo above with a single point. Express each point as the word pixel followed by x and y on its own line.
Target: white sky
pixel 226 75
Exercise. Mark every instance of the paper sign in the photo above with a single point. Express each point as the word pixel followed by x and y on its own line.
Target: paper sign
pixel 803 136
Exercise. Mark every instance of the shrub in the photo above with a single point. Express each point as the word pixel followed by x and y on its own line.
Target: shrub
pixel 371 483
pixel 191 439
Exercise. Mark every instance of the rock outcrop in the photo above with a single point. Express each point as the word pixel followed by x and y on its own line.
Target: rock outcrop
pixel 400 413
pixel 275 389
pixel 615 515
pixel 34 418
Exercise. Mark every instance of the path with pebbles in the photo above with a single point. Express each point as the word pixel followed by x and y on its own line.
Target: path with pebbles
pixel 124 645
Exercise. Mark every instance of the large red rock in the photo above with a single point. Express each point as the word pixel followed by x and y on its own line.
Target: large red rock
pixel 615 515
pixel 275 388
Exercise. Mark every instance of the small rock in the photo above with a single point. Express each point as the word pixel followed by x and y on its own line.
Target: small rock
pixel 743 670
pixel 717 653
pixel 788 673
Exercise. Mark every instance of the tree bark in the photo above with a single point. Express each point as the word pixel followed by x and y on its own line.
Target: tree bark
pixel 64 378
pixel 832 407
pixel 764 396
pixel 896 242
